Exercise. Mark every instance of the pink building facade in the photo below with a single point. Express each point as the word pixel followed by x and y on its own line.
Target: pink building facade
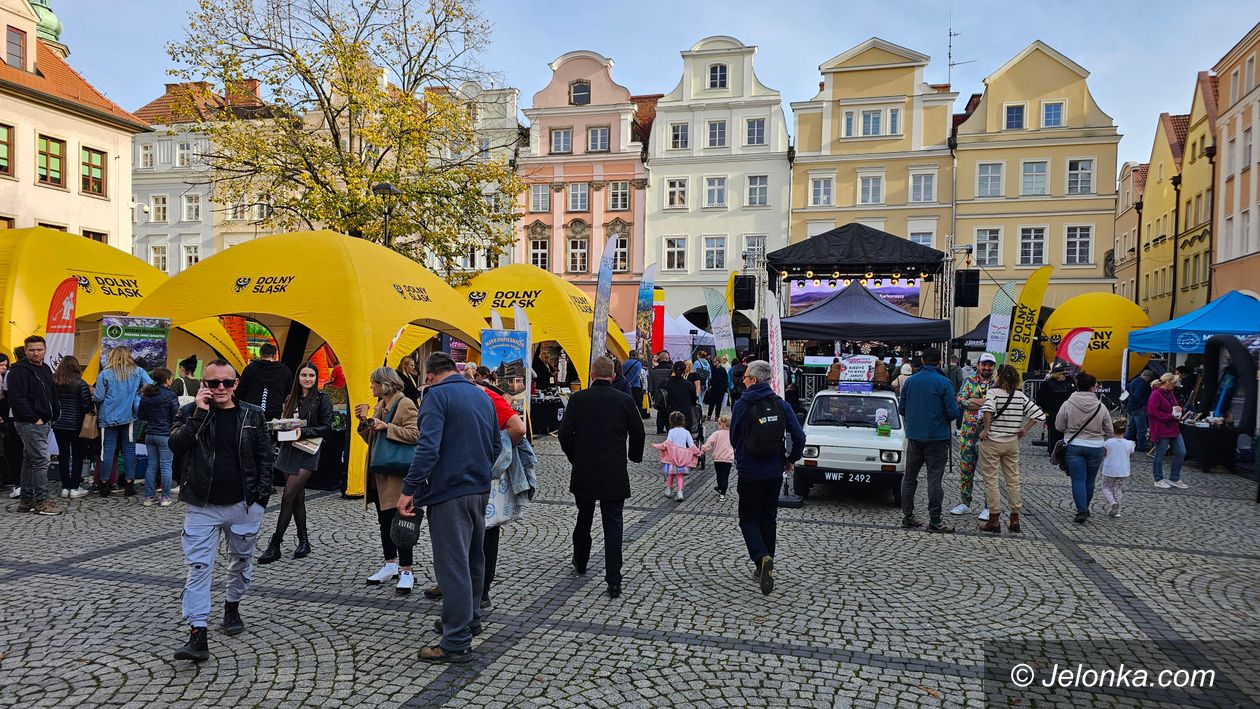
pixel 585 178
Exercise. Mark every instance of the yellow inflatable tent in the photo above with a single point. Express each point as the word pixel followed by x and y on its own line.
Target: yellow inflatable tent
pixel 351 293
pixel 557 309
pixel 33 262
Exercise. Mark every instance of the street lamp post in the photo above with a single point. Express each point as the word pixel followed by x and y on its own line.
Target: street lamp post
pixel 389 194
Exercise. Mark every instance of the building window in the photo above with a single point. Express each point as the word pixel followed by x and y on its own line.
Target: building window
pixel 263 211
pixel 717 134
pixel 1079 246
pixel 1034 182
pixel 1246 150
pixel 540 253
pixel 192 208
pixel 1198 208
pixel 157 208
pixel 579 197
pixel 92 169
pixel 621 253
pixel 678 136
pixel 1015 117
pixel 870 122
pixel 1196 278
pixel 717 76
pixel 597 139
pixel 46 225
pixel 578 255
pixel 50 168
pixel 239 211
pixel 871 189
pixel 989 179
pixel 715 191
pixel 988 247
pixel 192 255
pixel 848 124
pixel 1244 243
pixel 580 93
pixel 675 253
pixel 146 156
pixel 923 238
pixel 492 258
pixel 756 131
pixel 469 260
pixel 923 187
pixel 157 257
pixel 758 190
pixel 183 154
pixel 1080 177
pixel 618 196
pixel 483 148
pixel 540 198
pixel 6 150
pixel 99 237
pixel 820 191
pixel 15 48
pixel 1233 87
pixel 562 140
pixel 1052 114
pixel 676 193
pixel 715 252
pixel 1250 76
pixel 1032 246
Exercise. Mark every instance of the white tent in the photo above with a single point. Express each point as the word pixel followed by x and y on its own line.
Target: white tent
pixel 679 340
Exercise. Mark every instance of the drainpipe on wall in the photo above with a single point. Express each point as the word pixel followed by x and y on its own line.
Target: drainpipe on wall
pixel 1137 267
pixel 1210 152
pixel 1176 254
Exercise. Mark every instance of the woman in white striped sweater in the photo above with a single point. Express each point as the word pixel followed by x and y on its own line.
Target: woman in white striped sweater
pixel 1008 416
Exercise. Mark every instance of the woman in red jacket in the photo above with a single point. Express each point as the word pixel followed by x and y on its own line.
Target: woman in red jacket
pixel 1164 414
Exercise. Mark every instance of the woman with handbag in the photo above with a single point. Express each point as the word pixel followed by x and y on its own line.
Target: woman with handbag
pixel 1163 415
pixel 75 398
pixel 299 459
pixel 391 435
pixel 117 395
pixel 1086 425
pixel 1008 417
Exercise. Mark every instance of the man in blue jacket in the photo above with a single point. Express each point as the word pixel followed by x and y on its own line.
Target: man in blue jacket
pixel 1139 389
pixel 759 425
pixel 928 405
pixel 632 370
pixel 450 474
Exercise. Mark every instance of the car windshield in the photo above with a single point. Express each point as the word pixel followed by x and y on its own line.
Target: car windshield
pixel 856 411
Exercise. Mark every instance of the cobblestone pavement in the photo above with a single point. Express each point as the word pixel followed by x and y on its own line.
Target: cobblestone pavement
pixel 865 613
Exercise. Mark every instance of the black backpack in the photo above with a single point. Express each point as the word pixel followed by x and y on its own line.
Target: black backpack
pixel 765 428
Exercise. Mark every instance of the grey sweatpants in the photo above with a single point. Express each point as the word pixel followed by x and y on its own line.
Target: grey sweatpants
pixel 35 460
pixel 457 529
pixel 202 529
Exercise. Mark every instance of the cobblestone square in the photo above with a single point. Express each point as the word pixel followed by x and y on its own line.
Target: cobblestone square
pixel 864 614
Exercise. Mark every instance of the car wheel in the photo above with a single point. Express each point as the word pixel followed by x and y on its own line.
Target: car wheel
pixel 799 486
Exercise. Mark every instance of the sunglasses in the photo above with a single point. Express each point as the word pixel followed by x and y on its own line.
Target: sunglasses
pixel 219 383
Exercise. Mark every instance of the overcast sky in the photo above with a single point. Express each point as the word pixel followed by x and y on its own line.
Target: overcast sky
pixel 1142 55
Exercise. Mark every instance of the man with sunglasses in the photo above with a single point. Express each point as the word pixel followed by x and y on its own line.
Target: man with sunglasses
pixel 226 455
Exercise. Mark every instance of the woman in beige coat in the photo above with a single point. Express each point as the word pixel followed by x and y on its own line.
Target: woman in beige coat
pixel 394 418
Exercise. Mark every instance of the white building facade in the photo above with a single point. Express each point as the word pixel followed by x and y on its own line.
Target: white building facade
pixel 174 215
pixel 719 174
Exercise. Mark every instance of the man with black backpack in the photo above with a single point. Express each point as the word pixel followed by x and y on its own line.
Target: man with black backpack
pixel 657 376
pixel 759 426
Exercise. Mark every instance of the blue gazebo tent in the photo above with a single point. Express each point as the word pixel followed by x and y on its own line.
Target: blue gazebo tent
pixel 1234 313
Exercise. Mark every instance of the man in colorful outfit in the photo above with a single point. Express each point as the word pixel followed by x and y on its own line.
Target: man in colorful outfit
pixel 970 399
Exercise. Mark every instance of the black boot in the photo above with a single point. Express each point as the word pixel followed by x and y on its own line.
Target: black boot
pixel 196 649
pixel 303 548
pixel 129 489
pixel 272 553
pixel 232 623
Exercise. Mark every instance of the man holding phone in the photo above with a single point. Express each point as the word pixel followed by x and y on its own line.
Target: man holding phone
pixel 227 456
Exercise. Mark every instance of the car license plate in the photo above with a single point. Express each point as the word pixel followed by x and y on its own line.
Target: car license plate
pixel 837 477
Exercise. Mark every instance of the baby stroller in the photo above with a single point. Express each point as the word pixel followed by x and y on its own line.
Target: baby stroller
pixel 697 432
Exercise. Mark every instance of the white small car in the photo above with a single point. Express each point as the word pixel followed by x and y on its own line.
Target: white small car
pixel 843 445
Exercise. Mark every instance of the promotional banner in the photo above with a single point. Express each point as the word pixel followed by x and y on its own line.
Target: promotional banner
pixel 1073 348
pixel 1000 321
pixel 1112 317
pixel 858 368
pixel 506 354
pixel 643 317
pixel 603 300
pixel 520 319
pixel 496 320
pixel 720 323
pixel 1024 319
pixel 59 331
pixel 775 333
pixel 658 320
pixel 145 337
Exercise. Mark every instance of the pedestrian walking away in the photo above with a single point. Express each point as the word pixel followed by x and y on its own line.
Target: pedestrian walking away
pixel 34 406
pixel 450 475
pixel 390 432
pixel 117 393
pixel 227 457
pixel 1163 414
pixel 1139 391
pixel 658 376
pixel 678 454
pixel 719 388
pixel 928 406
pixel 759 426
pixel 157 410
pixel 1008 416
pixel 74 397
pixel 266 381
pixel 1086 426
pixel 601 433
pixel 719 446
pixel 1051 396
pixel 632 370
pixel 1115 467
pixel 970 399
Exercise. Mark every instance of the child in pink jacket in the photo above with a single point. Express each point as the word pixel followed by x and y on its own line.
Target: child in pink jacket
pixel 719 446
pixel 678 454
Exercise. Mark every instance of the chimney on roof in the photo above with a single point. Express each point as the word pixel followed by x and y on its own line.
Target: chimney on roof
pixel 243 92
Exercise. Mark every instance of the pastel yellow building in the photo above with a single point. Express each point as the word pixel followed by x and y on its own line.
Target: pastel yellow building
pixel 1036 186
pixel 1159 214
pixel 1191 247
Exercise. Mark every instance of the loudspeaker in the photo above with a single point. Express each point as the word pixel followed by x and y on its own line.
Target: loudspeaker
pixel 745 292
pixel 967 288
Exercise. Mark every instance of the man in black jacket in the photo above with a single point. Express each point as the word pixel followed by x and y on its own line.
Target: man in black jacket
pixel 657 376
pixel 33 405
pixel 226 454
pixel 266 382
pixel 598 424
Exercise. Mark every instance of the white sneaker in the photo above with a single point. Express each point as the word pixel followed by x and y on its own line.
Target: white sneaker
pixel 1163 484
pixel 65 492
pixel 960 510
pixel 166 502
pixel 174 490
pixel 721 498
pixel 1117 514
pixel 1114 511
pixel 77 493
pixel 17 492
pixel 669 491
pixel 405 583
pixel 1178 484
pixel 679 496
pixel 386 572
pixel 984 515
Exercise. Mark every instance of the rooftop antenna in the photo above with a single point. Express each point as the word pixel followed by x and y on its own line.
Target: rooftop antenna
pixel 949 57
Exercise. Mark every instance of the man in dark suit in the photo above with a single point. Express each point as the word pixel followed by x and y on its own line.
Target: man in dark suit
pixel 600 431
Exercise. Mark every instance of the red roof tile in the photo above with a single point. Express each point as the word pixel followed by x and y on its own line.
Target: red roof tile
pixel 55 78
pixel 1139 177
pixel 1175 127
pixel 195 101
pixel 644 114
